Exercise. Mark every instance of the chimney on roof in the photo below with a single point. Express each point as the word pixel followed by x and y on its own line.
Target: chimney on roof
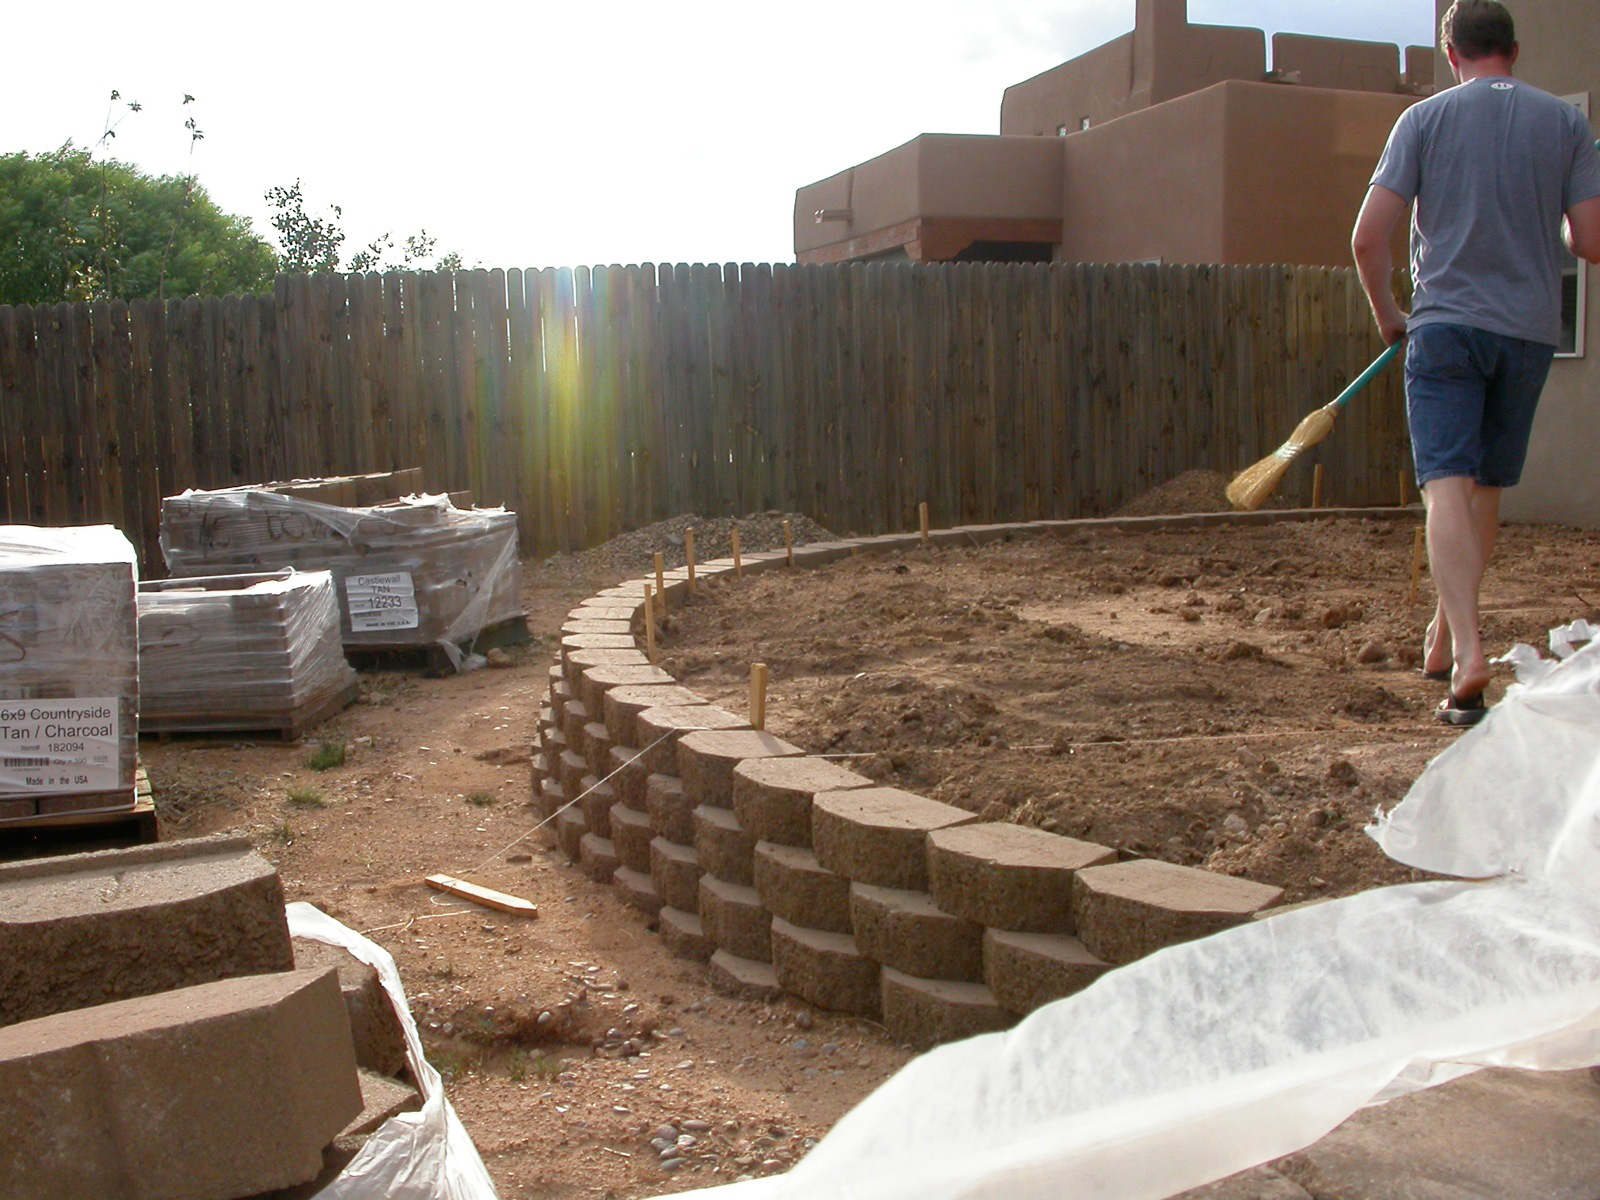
pixel 1159 27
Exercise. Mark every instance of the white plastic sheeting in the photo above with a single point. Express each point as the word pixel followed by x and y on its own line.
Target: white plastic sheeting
pixel 423 1155
pixel 1210 1057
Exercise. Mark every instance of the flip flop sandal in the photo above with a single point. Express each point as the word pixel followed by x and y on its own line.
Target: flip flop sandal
pixel 1462 710
pixel 1441 676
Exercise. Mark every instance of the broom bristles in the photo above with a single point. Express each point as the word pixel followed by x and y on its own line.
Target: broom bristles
pixel 1251 486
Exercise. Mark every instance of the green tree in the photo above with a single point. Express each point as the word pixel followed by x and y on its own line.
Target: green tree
pixel 311 243
pixel 76 227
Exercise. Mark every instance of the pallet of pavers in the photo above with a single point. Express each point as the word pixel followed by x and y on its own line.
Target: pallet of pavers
pixel 415 572
pixel 241 652
pixel 69 686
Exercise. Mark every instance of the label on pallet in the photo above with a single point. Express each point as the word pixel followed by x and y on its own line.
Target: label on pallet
pixel 59 746
pixel 381 601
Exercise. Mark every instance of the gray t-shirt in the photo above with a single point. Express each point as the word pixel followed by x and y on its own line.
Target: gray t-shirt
pixel 1492 164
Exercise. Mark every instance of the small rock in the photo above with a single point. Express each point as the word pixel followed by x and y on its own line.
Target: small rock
pixel 1335 617
pixel 1372 652
pixel 666 1133
pixel 1342 770
pixel 671 1164
pixel 697 1126
pixel 519 858
pixel 498 658
pixel 995 810
pixel 803 1019
pixel 1262 617
pixel 1236 826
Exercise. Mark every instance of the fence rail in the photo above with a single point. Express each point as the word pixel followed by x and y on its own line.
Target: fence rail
pixel 596 400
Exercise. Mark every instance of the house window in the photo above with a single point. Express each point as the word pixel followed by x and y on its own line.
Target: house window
pixel 1083 122
pixel 1062 131
pixel 1574 281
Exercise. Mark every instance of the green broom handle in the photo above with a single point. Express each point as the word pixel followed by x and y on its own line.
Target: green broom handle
pixel 1365 377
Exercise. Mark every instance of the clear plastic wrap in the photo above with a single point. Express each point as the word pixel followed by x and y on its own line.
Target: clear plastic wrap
pixel 1213 1056
pixel 240 651
pixel 69 689
pixel 409 573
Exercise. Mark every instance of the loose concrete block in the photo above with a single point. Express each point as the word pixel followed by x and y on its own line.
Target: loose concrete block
pixel 624 704
pixel 826 969
pixel 671 813
pixel 579 662
pixel 1009 876
pixel 722 845
pixel 86 929
pixel 381 1098
pixel 1127 910
pixel 219 1090
pixel 552 798
pixel 380 1044
pixel 879 835
pixel 929 1012
pixel 570 826
pixel 743 976
pixel 628 776
pixel 638 889
pixel 598 801
pixel 684 935
pixel 596 748
pixel 598 680
pixel 772 796
pixel 574 716
pixel 1026 970
pixel 794 886
pixel 907 931
pixel 659 729
pixel 735 920
pixel 677 873
pixel 631 836
pixel 597 857
pixel 706 760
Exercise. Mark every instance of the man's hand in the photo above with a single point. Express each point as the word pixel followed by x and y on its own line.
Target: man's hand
pixel 1369 242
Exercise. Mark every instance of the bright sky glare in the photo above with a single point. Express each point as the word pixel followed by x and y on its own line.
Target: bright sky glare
pixel 553 134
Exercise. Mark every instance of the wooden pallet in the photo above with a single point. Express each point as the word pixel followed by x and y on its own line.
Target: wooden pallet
pixel 288 726
pixel 512 631
pixel 123 827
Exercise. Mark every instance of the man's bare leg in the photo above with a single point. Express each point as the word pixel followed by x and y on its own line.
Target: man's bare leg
pixel 1457 512
pixel 1437 648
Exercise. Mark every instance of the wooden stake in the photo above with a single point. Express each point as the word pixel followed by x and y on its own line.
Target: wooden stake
pixel 487 897
pixel 738 563
pixel 758 695
pixel 1405 490
pixel 922 520
pixel 649 625
pixel 1417 546
pixel 788 543
pixel 1316 486
pixel 688 554
pixel 661 579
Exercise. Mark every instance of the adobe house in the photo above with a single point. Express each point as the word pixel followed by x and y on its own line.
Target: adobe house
pixel 1172 143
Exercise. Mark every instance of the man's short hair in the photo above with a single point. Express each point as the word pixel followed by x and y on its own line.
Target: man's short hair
pixel 1478 29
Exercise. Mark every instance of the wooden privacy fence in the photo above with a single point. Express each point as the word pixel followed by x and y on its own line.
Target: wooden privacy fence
pixel 596 400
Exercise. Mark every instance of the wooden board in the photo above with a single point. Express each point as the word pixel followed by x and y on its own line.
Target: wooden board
pixel 488 897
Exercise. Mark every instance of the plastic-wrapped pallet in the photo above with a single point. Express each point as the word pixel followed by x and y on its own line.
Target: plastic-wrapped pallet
pixel 69 674
pixel 414 572
pixel 241 652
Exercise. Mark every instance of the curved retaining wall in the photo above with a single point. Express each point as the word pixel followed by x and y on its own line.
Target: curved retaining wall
pixel 788 872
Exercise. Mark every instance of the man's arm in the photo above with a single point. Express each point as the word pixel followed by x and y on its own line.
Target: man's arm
pixel 1582 229
pixel 1370 242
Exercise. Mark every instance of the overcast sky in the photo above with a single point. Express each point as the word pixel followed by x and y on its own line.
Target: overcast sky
pixel 549 134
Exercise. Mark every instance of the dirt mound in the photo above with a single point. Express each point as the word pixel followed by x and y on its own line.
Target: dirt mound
pixel 634 552
pixel 1191 492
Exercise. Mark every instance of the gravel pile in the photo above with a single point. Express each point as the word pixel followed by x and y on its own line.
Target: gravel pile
pixel 634 553
pixel 1191 492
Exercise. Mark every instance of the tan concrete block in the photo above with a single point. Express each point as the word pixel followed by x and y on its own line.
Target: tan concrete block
pixel 826 969
pixel 706 760
pixel 577 663
pixel 628 774
pixel 659 729
pixel 598 857
pixel 676 873
pixel 571 770
pixel 597 803
pixel 380 1044
pixel 583 625
pixel 772 796
pixel 794 886
pixel 574 716
pixel 553 742
pixel 381 1098
pixel 722 845
pixel 734 919
pixel 631 835
pixel 223 1089
pixel 684 935
pixel 907 931
pixel 879 835
pixel 86 929
pixel 603 610
pixel 570 826
pixel 638 889
pixel 552 798
pixel 571 643
pixel 596 748
pixel 743 976
pixel 671 813
pixel 560 696
pixel 1127 910
pixel 1008 876
pixel 624 704
pixel 925 1013
pixel 598 680
pixel 1026 970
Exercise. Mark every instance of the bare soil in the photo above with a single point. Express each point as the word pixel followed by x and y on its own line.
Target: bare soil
pixel 1200 697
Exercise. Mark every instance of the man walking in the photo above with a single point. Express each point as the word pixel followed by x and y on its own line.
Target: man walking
pixel 1499 173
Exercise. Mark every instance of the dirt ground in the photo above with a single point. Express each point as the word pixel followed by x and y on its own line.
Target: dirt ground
pixel 1240 699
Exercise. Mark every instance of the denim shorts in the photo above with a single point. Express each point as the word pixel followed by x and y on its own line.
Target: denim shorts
pixel 1470 398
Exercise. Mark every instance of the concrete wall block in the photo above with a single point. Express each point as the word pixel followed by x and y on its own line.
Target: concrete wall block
pixel 1026 970
pixel 638 889
pixel 628 775
pixel 597 803
pixel 624 704
pixel 676 872
pixel 570 826
pixel 1009 876
pixel 552 796
pixel 574 716
pixel 560 697
pixel 929 1012
pixel 772 796
pixel 597 857
pixel 224 1089
pixel 743 976
pixel 795 887
pixel 579 662
pixel 878 835
pixel 571 769
pixel 826 969
pixel 735 919
pixel 658 730
pixel 86 929
pixel 597 748
pixel 706 760
pixel 671 812
pixel 723 846
pixel 684 934
pixel 553 742
pixel 598 680
pixel 907 931
pixel 1127 910
pixel 631 836
pixel 380 1045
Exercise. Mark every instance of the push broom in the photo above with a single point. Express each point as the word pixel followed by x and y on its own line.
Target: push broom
pixel 1251 486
